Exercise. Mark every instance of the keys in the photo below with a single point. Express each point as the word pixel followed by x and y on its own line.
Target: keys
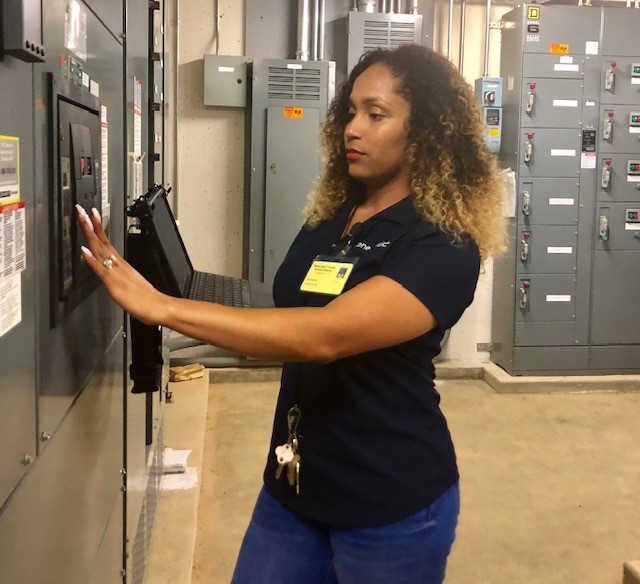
pixel 287 454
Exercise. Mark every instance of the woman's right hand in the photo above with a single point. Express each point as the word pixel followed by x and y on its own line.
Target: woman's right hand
pixel 125 285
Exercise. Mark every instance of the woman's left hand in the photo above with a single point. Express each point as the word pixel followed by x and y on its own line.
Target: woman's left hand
pixel 125 285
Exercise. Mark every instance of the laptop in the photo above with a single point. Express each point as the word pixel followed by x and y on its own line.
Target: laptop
pixel 159 253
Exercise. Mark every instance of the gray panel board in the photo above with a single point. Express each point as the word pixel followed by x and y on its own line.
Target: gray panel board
pixel 544 304
pixel 110 13
pixel 554 28
pixel 615 291
pixel 225 80
pixel 541 68
pixel 554 201
pixel 18 346
pixel 547 143
pixel 616 358
pixel 534 334
pixel 558 103
pixel 70 352
pixel 620 189
pixel 53 528
pixel 620 25
pixel 107 568
pixel 622 140
pixel 551 360
pixel 552 250
pixel 623 91
pixel 290 172
pixel 620 238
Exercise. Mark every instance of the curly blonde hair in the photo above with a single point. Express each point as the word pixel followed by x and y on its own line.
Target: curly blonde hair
pixel 454 178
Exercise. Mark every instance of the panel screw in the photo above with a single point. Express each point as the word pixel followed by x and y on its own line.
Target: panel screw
pixel 27 459
pixel 44 436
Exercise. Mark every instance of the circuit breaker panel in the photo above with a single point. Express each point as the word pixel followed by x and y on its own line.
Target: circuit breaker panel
pixel 564 294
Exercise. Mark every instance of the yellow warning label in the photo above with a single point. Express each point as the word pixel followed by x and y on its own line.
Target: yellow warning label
pixel 293 112
pixel 533 12
pixel 558 49
pixel 493 132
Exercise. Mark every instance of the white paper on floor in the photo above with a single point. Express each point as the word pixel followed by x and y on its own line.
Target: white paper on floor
pixel 174 460
pixel 180 482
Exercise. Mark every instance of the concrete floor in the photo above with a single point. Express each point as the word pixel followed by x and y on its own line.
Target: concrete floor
pixel 549 482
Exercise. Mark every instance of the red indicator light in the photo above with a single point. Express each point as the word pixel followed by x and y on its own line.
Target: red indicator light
pixel 611 113
pixel 613 64
pixel 530 136
pixel 607 162
pixel 532 86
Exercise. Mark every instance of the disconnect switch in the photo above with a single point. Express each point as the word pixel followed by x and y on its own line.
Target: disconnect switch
pixel 528 148
pixel 609 76
pixel 607 129
pixel 525 286
pixel 605 181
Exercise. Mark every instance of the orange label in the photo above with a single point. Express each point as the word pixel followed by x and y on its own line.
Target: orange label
pixel 293 112
pixel 559 49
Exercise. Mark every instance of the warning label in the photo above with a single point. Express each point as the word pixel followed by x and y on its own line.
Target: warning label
pixel 559 49
pixel 293 112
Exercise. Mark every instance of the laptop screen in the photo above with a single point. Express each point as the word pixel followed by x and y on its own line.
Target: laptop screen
pixel 170 241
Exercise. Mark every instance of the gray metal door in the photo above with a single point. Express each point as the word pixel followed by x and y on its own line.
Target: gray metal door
pixel 623 226
pixel 551 299
pixel 626 89
pixel 615 298
pixel 545 334
pixel 553 66
pixel 556 153
pixel 557 103
pixel 546 249
pixel 624 136
pixel 622 185
pixel 292 162
pixel 552 201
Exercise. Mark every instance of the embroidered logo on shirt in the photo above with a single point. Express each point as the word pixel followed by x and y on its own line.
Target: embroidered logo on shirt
pixel 363 246
pixel 383 244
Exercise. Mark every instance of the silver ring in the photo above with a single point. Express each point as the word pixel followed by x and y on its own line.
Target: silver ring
pixel 108 262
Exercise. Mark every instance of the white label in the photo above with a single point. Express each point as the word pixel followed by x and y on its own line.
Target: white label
pixel 591 48
pixel 533 38
pixel 632 226
pixel 561 202
pixel 560 152
pixel 85 79
pixel 568 250
pixel 634 130
pixel 10 303
pixel 588 160
pixel 491 86
pixel 590 103
pixel 137 117
pixel 12 240
pixel 633 178
pixel 94 88
pixel 510 82
pixel 104 142
pixel 635 81
pixel 566 59
pixel 565 103
pixel 293 66
pixel 564 67
pixel 226 69
pixel 558 297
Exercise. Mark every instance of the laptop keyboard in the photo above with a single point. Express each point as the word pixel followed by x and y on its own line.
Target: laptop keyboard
pixel 220 289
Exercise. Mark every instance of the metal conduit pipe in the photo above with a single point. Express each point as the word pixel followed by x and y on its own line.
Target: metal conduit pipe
pixel 367 5
pixel 304 19
pixel 315 26
pixel 321 30
pixel 414 8
pixel 383 6
pixel 450 31
pixel 463 19
pixel 487 40
pixel 398 6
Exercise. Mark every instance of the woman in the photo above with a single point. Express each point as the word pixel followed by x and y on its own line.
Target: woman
pixel 361 483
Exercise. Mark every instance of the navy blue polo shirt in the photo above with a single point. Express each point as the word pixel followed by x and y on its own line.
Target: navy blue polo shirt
pixel 375 446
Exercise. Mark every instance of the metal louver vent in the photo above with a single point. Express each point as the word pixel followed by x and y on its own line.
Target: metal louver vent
pixel 387 35
pixel 294 84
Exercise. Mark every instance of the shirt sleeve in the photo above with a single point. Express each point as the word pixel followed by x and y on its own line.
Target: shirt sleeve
pixel 439 273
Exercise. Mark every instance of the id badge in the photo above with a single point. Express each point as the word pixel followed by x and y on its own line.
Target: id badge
pixel 328 275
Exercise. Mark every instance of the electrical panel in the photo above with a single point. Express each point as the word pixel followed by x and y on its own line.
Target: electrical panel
pixel 489 92
pixel 225 81
pixel 564 293
pixel 372 30
pixel 289 100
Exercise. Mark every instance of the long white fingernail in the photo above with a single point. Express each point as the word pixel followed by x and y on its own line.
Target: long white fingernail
pixel 96 214
pixel 86 250
pixel 86 218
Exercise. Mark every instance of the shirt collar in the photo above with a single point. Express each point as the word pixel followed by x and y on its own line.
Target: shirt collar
pixel 403 212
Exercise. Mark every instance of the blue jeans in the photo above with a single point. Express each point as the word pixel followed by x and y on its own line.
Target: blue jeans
pixel 281 548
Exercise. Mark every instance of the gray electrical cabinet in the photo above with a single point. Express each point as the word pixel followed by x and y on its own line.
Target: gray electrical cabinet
pixel 289 100
pixel 368 31
pixel 79 454
pixel 564 293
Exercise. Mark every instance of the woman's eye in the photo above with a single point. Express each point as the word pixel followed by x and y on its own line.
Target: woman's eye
pixel 376 117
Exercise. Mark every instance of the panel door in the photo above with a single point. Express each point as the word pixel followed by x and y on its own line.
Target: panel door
pixel 292 166
pixel 551 201
pixel 550 298
pixel 546 249
pixel 556 153
pixel 557 103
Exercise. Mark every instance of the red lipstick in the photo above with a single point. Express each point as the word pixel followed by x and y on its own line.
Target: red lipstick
pixel 353 154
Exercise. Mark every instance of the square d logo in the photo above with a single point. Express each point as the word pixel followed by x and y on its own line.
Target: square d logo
pixel 533 12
